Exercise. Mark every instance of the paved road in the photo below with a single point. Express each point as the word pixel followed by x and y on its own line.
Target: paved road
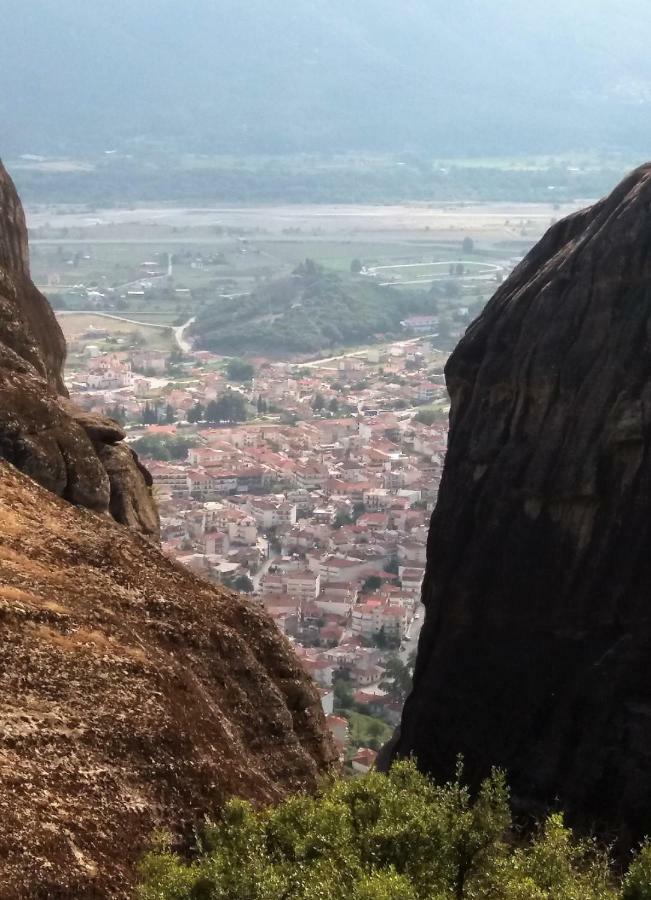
pixel 318 362
pixel 411 642
pixel 184 345
pixel 264 568
pixel 94 312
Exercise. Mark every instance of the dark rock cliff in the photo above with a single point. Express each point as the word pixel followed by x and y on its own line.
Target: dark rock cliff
pixel 77 456
pixel 535 654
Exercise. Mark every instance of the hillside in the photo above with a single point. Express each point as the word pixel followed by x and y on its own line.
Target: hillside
pixel 133 695
pixel 534 655
pixel 310 311
pixel 325 75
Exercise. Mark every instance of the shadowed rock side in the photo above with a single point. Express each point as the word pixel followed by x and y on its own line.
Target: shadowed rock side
pixel 132 694
pixel 76 455
pixel 535 654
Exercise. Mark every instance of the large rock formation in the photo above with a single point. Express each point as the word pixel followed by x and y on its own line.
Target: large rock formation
pixel 69 452
pixel 132 695
pixel 536 649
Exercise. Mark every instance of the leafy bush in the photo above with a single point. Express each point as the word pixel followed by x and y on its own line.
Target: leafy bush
pixel 395 837
pixel 163 447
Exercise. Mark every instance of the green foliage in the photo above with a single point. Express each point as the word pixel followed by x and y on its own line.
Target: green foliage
pixel 372 583
pixel 397 679
pixel 389 837
pixel 343 691
pixel 367 731
pixel 342 518
pixel 428 416
pixel 239 370
pixel 312 310
pixel 637 884
pixel 393 566
pixel 164 447
pixel 243 583
pixel 230 407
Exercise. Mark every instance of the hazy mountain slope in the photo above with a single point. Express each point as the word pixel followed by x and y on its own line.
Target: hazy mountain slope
pixel 470 76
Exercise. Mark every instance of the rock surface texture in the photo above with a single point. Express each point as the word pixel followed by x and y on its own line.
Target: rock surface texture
pixel 132 695
pixel 535 654
pixel 75 455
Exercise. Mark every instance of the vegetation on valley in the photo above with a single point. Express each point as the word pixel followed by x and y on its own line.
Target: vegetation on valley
pixel 314 309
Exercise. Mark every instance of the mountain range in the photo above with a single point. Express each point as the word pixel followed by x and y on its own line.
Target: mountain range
pixel 222 76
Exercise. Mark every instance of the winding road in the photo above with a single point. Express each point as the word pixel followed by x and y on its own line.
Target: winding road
pixel 178 331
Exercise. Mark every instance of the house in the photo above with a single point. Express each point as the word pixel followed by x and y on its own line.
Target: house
pixel 364 760
pixel 311 477
pixel 420 324
pixel 377 615
pixel 339 729
pixel 173 477
pixel 320 670
pixel 327 701
pixel 303 586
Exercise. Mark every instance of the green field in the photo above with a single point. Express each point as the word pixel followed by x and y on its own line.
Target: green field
pixel 364 729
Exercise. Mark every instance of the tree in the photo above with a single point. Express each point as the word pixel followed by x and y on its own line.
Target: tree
pixel 243 583
pixel 117 413
pixel 343 692
pixel 170 415
pixel 397 836
pixel 309 270
pixel 212 412
pixel 342 518
pixel 196 413
pixel 397 679
pixel 163 446
pixel 393 566
pixel 318 402
pixel 426 416
pixel 376 729
pixel 333 406
pixel 239 370
pixel 380 638
pixel 467 245
pixel 149 415
pixel 231 407
pixel 372 583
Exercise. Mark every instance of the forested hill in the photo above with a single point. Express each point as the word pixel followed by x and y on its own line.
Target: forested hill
pixel 308 311
pixel 222 76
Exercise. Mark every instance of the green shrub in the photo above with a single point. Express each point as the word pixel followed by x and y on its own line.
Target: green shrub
pixel 394 837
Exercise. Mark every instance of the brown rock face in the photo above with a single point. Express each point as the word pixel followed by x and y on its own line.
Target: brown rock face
pixel 535 653
pixel 132 695
pixel 41 433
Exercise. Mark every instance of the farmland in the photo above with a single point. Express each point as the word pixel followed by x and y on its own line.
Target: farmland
pixel 163 265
